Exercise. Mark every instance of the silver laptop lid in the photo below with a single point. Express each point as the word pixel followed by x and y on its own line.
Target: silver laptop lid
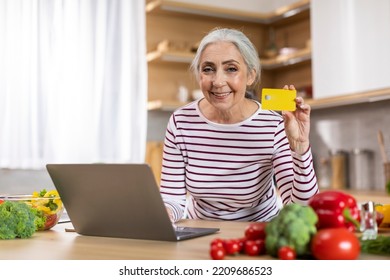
pixel 114 200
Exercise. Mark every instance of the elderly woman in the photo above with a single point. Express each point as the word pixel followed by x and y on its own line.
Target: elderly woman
pixel 225 158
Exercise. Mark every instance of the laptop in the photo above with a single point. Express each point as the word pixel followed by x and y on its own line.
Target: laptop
pixel 117 200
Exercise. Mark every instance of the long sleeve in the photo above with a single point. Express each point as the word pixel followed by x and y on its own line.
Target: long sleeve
pixel 172 186
pixel 294 174
pixel 228 172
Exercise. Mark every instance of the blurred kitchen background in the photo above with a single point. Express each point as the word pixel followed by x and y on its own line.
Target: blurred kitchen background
pixel 335 52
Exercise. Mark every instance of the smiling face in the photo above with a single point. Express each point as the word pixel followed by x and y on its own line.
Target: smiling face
pixel 224 76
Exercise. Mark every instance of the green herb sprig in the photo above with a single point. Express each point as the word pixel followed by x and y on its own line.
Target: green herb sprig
pixel 378 246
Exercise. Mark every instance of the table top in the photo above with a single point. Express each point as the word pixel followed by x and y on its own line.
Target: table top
pixel 60 244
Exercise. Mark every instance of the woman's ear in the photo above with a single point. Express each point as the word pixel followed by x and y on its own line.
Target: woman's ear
pixel 251 77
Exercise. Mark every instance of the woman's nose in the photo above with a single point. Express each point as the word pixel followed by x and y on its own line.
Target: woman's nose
pixel 219 79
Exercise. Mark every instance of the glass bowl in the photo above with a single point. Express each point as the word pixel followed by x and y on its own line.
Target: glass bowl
pixel 48 208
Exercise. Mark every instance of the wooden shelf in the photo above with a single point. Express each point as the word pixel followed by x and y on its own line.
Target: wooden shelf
pixel 170 56
pixel 350 99
pixel 267 64
pixel 286 60
pixel 171 6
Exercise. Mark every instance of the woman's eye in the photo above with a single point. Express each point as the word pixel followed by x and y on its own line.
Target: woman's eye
pixel 231 69
pixel 207 69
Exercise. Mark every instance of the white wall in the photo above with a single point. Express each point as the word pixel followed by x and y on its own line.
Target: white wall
pixel 351 43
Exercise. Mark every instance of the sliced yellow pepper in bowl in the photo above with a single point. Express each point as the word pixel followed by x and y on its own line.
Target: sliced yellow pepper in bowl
pixel 384 209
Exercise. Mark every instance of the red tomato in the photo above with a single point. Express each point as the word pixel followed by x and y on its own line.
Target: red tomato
pixel 217 253
pixel 261 244
pixel 1 201
pixel 218 242
pixel 255 231
pixel 335 244
pixel 232 246
pixel 241 243
pixel 252 248
pixel 286 253
pixel 50 220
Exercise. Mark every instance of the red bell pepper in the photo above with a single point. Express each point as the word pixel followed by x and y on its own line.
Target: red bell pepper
pixel 336 209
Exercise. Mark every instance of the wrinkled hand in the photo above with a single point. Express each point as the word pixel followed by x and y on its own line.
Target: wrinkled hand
pixel 297 125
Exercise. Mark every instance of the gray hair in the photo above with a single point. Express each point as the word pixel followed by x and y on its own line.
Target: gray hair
pixel 237 38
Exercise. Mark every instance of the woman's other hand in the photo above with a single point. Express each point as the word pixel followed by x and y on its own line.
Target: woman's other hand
pixel 297 125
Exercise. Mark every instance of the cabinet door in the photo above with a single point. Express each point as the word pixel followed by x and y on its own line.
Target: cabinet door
pixel 351 43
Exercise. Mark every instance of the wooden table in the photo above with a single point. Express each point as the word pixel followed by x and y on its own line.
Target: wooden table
pixel 57 244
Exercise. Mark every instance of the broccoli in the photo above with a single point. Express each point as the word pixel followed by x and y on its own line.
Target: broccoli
pixel 17 219
pixel 294 227
pixel 40 218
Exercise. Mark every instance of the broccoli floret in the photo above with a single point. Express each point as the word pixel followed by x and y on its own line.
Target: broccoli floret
pixel 294 227
pixel 17 219
pixel 40 218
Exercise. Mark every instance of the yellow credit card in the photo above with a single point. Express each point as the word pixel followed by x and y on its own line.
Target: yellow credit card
pixel 278 99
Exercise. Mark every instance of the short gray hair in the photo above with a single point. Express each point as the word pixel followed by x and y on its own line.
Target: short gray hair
pixel 237 38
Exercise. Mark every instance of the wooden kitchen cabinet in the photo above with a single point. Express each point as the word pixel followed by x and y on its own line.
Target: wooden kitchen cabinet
pixel 153 157
pixel 169 68
pixel 172 35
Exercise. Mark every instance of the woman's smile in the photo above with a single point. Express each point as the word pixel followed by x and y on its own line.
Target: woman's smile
pixel 221 94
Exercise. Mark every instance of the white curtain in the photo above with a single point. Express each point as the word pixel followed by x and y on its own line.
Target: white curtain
pixel 73 82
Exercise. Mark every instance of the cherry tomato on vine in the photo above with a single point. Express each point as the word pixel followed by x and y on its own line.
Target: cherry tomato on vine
pixel 286 253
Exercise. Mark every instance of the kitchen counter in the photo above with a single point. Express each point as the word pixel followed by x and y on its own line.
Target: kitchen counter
pixel 60 244
pixel 380 197
pixel 375 196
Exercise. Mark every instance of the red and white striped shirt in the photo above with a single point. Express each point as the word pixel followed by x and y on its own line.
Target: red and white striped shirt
pixel 228 171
